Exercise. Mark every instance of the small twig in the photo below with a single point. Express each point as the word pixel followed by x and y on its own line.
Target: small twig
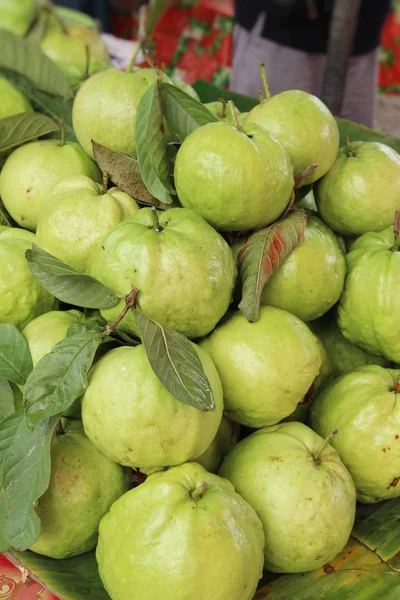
pixel 234 116
pixel 104 186
pixel 134 56
pixel 304 174
pixel 396 388
pixel 86 73
pixel 330 437
pixel 156 220
pixel 264 81
pixel 198 493
pixel 130 302
pixel 224 104
pixel 261 96
pixel 62 132
pixel 348 146
pixel 397 230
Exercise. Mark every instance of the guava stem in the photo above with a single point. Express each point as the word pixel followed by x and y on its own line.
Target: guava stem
pixel 328 440
pixel 224 103
pixel 156 221
pixel 307 171
pixel 261 96
pixel 234 116
pixel 52 10
pixel 397 230
pixel 198 493
pixel 134 57
pixel 104 186
pixel 86 74
pixel 396 388
pixel 62 133
pixel 130 302
pixel 348 146
pixel 264 81
pixel 59 429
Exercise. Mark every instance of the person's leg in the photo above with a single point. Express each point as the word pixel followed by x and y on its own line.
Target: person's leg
pixel 361 89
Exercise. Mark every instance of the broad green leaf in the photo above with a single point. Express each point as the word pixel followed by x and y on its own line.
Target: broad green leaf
pixel 25 478
pixel 380 531
pixel 175 361
pixel 22 128
pixel 123 170
pixel 151 146
pixel 125 338
pixel 183 113
pixel 66 284
pixel 26 58
pixel 263 254
pixel 60 377
pixel 7 406
pixel 360 133
pixel 15 358
pixel 92 325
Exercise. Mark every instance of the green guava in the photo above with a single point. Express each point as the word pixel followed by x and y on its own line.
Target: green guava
pixel 77 216
pixel 221 110
pixel 131 417
pixel 304 126
pixel 83 485
pixel 310 281
pixel 365 406
pixel 361 191
pixel 17 15
pixel 31 171
pixel 343 355
pixel 183 269
pixel 236 180
pixel 22 296
pixel 13 102
pixel 266 367
pixel 369 309
pixel 227 436
pixel 185 87
pixel 301 491
pixel 182 535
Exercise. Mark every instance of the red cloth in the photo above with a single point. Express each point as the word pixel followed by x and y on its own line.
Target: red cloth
pixel 13 588
pixel 389 70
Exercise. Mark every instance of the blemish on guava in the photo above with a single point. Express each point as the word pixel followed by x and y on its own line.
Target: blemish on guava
pixel 396 437
pixel 394 483
pixel 276 458
pixel 28 190
pixel 328 568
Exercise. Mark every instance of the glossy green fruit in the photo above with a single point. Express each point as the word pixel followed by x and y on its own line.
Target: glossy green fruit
pixel 365 406
pixel 22 296
pixel 236 180
pixel 361 191
pixel 31 171
pixel 183 268
pixel 12 101
pixel 304 126
pixel 132 418
pixel 185 87
pixel 17 15
pixel 369 310
pixel 227 436
pixel 266 367
pixel 310 281
pixel 181 535
pixel 77 216
pixel 83 486
pixel 301 491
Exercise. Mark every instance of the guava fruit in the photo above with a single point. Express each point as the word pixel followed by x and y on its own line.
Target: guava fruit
pixel 182 535
pixel 13 102
pixel 17 15
pixel 310 281
pixel 183 269
pixel 105 108
pixel 361 191
pixel 185 87
pixel 83 485
pixel 365 406
pixel 227 436
pixel 369 309
pixel 77 215
pixel 266 367
pixel 68 50
pixel 301 491
pixel 304 126
pixel 236 180
pixel 343 355
pixel 22 296
pixel 31 171
pixel 132 418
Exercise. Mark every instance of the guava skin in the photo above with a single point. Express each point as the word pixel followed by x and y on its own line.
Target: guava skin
pixel 266 367
pixel 185 87
pixel 304 126
pixel 361 192
pixel 17 16
pixel 307 505
pixel 12 101
pixel 22 296
pixel 184 534
pixel 369 309
pixel 31 171
pixel 183 268
pixel 77 216
pixel 236 180
pixel 343 355
pixel 131 417
pixel 83 486
pixel 366 409
pixel 227 436
pixel 310 281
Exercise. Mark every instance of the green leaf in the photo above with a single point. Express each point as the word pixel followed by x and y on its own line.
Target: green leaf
pixel 22 128
pixel 151 146
pixel 7 406
pixel 380 531
pixel 15 358
pixel 66 284
pixel 183 113
pixel 123 170
pixel 175 361
pixel 263 254
pixel 26 58
pixel 93 325
pixel 60 377
pixel 360 133
pixel 25 478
